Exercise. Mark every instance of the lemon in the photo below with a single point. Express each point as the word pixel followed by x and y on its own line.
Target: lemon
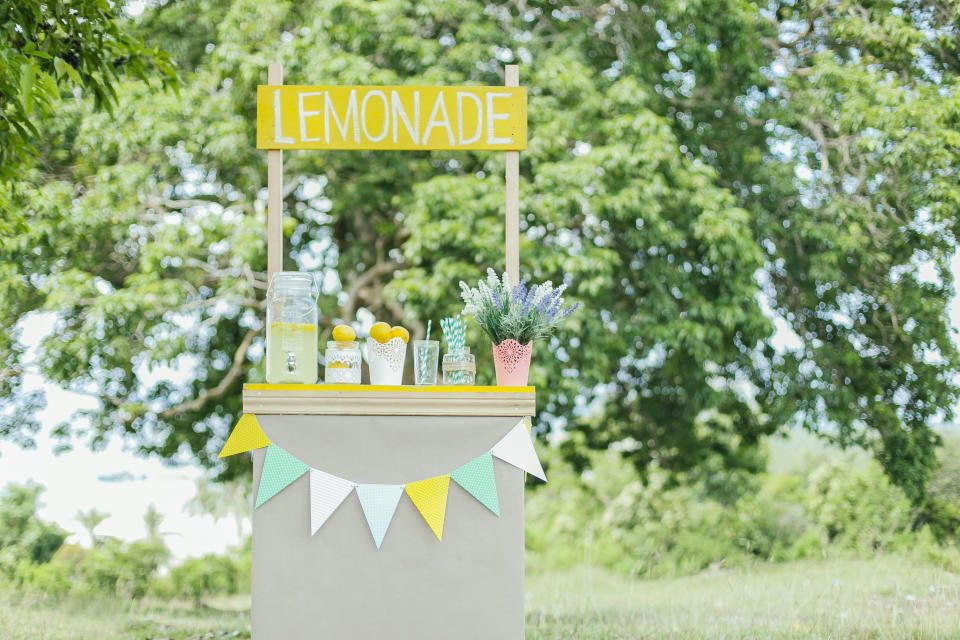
pixel 380 332
pixel 400 332
pixel 343 333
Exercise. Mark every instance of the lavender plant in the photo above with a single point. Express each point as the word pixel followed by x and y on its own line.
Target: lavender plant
pixel 519 312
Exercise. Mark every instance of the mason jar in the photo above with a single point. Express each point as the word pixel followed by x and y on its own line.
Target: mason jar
pixel 292 328
pixel 343 362
pixel 459 367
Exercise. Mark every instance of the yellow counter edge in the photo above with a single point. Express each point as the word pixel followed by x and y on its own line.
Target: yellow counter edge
pixel 375 387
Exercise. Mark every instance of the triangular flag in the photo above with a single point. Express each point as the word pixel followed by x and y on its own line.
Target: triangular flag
pixel 430 498
pixel 279 470
pixel 516 448
pixel 379 502
pixel 327 492
pixel 478 479
pixel 246 435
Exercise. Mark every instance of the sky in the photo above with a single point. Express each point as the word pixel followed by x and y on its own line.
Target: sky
pixel 114 481
pixel 118 482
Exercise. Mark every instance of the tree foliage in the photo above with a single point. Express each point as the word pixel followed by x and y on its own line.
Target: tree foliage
pixel 755 202
pixel 23 536
pixel 50 48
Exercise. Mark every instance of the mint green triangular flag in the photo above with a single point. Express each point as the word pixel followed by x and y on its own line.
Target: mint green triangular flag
pixel 477 478
pixel 379 503
pixel 279 470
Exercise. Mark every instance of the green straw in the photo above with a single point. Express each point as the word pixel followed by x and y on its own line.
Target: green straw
pixel 454 332
pixel 428 328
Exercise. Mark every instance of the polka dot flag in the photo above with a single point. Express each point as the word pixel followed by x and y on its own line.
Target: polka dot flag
pixel 279 470
pixel 247 435
pixel 477 478
pixel 430 498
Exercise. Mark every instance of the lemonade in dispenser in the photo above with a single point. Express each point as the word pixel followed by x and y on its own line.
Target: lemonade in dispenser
pixel 292 328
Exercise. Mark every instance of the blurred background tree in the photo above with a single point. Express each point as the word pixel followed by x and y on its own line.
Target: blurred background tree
pixel 90 520
pixel 225 499
pixel 756 203
pixel 22 534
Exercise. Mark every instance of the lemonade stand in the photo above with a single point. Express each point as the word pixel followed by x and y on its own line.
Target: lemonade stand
pixel 383 510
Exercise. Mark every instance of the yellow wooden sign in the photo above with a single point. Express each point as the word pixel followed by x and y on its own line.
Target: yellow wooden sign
pixel 345 117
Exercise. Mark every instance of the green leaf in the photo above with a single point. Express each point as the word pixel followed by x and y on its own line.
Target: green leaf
pixel 28 74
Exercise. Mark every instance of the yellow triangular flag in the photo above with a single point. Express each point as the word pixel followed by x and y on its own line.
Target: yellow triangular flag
pixel 246 435
pixel 430 498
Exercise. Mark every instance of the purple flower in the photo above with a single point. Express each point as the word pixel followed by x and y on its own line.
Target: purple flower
pixel 519 292
pixel 531 294
pixel 550 301
pixel 545 303
pixel 569 311
pixel 496 300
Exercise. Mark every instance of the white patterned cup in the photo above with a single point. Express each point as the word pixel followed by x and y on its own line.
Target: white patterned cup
pixel 386 360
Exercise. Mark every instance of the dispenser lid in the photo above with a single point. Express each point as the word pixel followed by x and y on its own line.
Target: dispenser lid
pixel 293 282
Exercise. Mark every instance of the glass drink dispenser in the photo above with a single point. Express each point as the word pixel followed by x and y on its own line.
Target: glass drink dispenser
pixel 292 328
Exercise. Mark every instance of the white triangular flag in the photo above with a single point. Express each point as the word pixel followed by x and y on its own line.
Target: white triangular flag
pixel 379 502
pixel 516 448
pixel 327 492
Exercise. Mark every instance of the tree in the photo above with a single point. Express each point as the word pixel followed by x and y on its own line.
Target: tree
pixel 152 519
pixel 49 48
pixel 709 176
pixel 90 520
pixel 229 498
pixel 23 536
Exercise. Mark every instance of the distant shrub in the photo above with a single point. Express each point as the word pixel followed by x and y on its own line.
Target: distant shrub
pixel 121 569
pixel 669 524
pixel 212 574
pixel 857 508
pixel 941 510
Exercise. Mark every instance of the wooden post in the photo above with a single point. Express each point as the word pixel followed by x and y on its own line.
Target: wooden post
pixel 274 193
pixel 512 183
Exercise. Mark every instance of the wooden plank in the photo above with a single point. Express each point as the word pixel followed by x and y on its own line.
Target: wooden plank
pixel 319 401
pixel 391 117
pixel 512 183
pixel 368 388
pixel 274 194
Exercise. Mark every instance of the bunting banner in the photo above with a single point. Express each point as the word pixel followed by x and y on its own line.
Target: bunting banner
pixel 516 448
pixel 279 470
pixel 379 501
pixel 477 478
pixel 246 436
pixel 430 498
pixel 327 492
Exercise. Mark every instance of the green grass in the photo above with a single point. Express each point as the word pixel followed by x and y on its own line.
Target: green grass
pixel 23 618
pixel 887 597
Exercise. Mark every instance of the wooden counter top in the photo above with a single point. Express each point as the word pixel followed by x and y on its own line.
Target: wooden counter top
pixel 376 400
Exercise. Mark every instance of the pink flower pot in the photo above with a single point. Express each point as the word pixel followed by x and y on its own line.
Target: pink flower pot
pixel 512 363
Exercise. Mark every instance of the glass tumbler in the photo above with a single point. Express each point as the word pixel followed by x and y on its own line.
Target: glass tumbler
pixel 426 354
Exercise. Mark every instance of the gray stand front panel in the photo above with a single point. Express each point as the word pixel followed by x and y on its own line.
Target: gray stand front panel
pixel 336 585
